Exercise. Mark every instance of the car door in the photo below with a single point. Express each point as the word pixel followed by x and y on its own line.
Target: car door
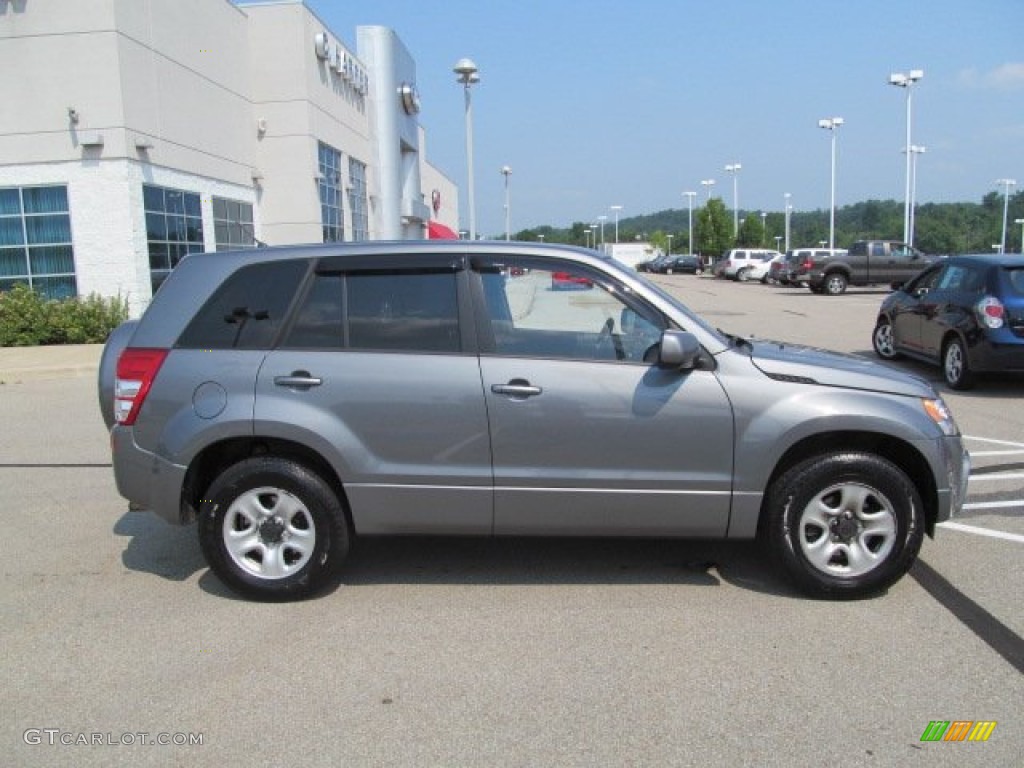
pixel 379 376
pixel 915 308
pixel 588 435
pixel 949 305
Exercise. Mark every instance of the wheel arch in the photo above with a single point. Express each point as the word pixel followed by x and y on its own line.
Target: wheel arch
pixel 899 452
pixel 216 457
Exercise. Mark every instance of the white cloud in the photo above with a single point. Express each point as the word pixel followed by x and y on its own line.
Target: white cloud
pixel 1008 76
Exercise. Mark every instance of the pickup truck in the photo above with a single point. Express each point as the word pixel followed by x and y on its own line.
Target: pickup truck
pixel 868 262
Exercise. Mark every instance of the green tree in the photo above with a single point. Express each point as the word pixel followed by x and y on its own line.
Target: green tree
pixel 714 229
pixel 751 232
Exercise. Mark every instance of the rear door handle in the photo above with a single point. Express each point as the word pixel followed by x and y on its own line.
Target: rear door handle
pixel 517 389
pixel 298 380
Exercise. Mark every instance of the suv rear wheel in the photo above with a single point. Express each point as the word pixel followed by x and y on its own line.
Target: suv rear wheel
pixel 272 529
pixel 844 525
pixel 883 340
pixel 955 368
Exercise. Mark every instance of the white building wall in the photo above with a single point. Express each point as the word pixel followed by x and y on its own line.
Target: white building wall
pixel 207 97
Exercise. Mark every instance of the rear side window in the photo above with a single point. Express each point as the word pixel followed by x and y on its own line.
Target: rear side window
pixel 248 309
pixel 394 310
pixel 1016 280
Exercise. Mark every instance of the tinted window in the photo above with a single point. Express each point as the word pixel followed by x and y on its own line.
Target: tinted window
pixel 246 312
pixel 1016 279
pixel 412 311
pixel 406 310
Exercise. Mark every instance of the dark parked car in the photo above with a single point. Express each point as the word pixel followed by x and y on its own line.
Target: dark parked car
pixel 289 399
pixel 677 263
pixel 965 313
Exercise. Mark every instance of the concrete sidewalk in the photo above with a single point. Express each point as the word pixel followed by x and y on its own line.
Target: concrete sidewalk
pixel 53 362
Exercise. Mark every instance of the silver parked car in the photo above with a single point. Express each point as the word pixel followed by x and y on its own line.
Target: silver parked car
pixel 291 399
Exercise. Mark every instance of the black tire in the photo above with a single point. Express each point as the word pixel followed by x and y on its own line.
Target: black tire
pixel 869 542
pixel 743 275
pixel 955 368
pixel 835 283
pixel 277 507
pixel 883 340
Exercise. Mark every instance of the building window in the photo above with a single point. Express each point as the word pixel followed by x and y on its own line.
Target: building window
pixel 232 224
pixel 174 228
pixel 358 200
pixel 331 215
pixel 35 241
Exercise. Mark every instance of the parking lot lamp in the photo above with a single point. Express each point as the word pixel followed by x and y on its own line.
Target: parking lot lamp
pixel 734 169
pixel 906 80
pixel 778 241
pixel 1005 184
pixel 789 210
pixel 1021 222
pixel 689 236
pixel 602 219
pixel 506 171
pixel 708 184
pixel 764 227
pixel 669 243
pixel 915 150
pixel 831 124
pixel 616 209
pixel 468 76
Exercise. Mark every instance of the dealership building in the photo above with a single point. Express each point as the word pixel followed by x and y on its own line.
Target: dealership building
pixel 134 132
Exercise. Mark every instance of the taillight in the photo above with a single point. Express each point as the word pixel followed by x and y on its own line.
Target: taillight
pixel 990 311
pixel 136 371
pixel 807 264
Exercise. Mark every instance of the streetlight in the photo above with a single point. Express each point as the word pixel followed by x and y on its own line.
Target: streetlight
pixel 669 243
pixel 915 150
pixel 789 209
pixel 906 80
pixel 689 236
pixel 708 184
pixel 506 171
pixel 831 124
pixel 778 240
pixel 602 219
pixel 467 75
pixel 586 237
pixel 764 226
pixel 1021 222
pixel 1005 184
pixel 734 169
pixel 616 208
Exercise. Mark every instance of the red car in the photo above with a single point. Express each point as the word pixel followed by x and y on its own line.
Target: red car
pixel 564 281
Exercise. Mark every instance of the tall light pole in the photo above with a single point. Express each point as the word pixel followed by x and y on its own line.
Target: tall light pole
pixel 1005 184
pixel 616 209
pixel 789 210
pixel 914 151
pixel 906 81
pixel 506 171
pixel 708 184
pixel 831 124
pixel 764 226
pixel 602 219
pixel 1021 222
pixel 669 243
pixel 734 169
pixel 689 204
pixel 468 76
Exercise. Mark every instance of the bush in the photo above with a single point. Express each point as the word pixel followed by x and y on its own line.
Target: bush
pixel 28 319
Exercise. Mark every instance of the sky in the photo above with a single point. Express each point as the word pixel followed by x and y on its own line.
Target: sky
pixel 600 103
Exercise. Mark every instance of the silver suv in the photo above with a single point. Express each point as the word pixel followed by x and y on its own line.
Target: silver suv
pixel 291 399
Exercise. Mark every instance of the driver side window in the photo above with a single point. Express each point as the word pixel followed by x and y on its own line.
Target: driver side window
pixel 539 309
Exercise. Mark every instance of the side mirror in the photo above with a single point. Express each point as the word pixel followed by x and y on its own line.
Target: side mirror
pixel 679 350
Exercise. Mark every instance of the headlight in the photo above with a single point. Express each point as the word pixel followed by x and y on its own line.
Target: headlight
pixel 940 414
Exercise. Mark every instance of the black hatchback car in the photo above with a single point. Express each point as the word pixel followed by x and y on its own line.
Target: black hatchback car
pixel 677 263
pixel 965 313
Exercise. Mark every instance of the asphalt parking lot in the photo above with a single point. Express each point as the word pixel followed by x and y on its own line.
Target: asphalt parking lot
pixel 459 652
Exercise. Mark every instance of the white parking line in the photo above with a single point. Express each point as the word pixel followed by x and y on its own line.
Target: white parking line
pixel 993 440
pixel 975 454
pixel 997 476
pixel 995 504
pixel 983 532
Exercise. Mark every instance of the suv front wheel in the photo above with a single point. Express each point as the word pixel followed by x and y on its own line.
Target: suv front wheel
pixel 272 529
pixel 844 525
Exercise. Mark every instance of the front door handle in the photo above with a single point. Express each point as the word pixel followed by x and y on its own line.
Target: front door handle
pixel 517 389
pixel 298 380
